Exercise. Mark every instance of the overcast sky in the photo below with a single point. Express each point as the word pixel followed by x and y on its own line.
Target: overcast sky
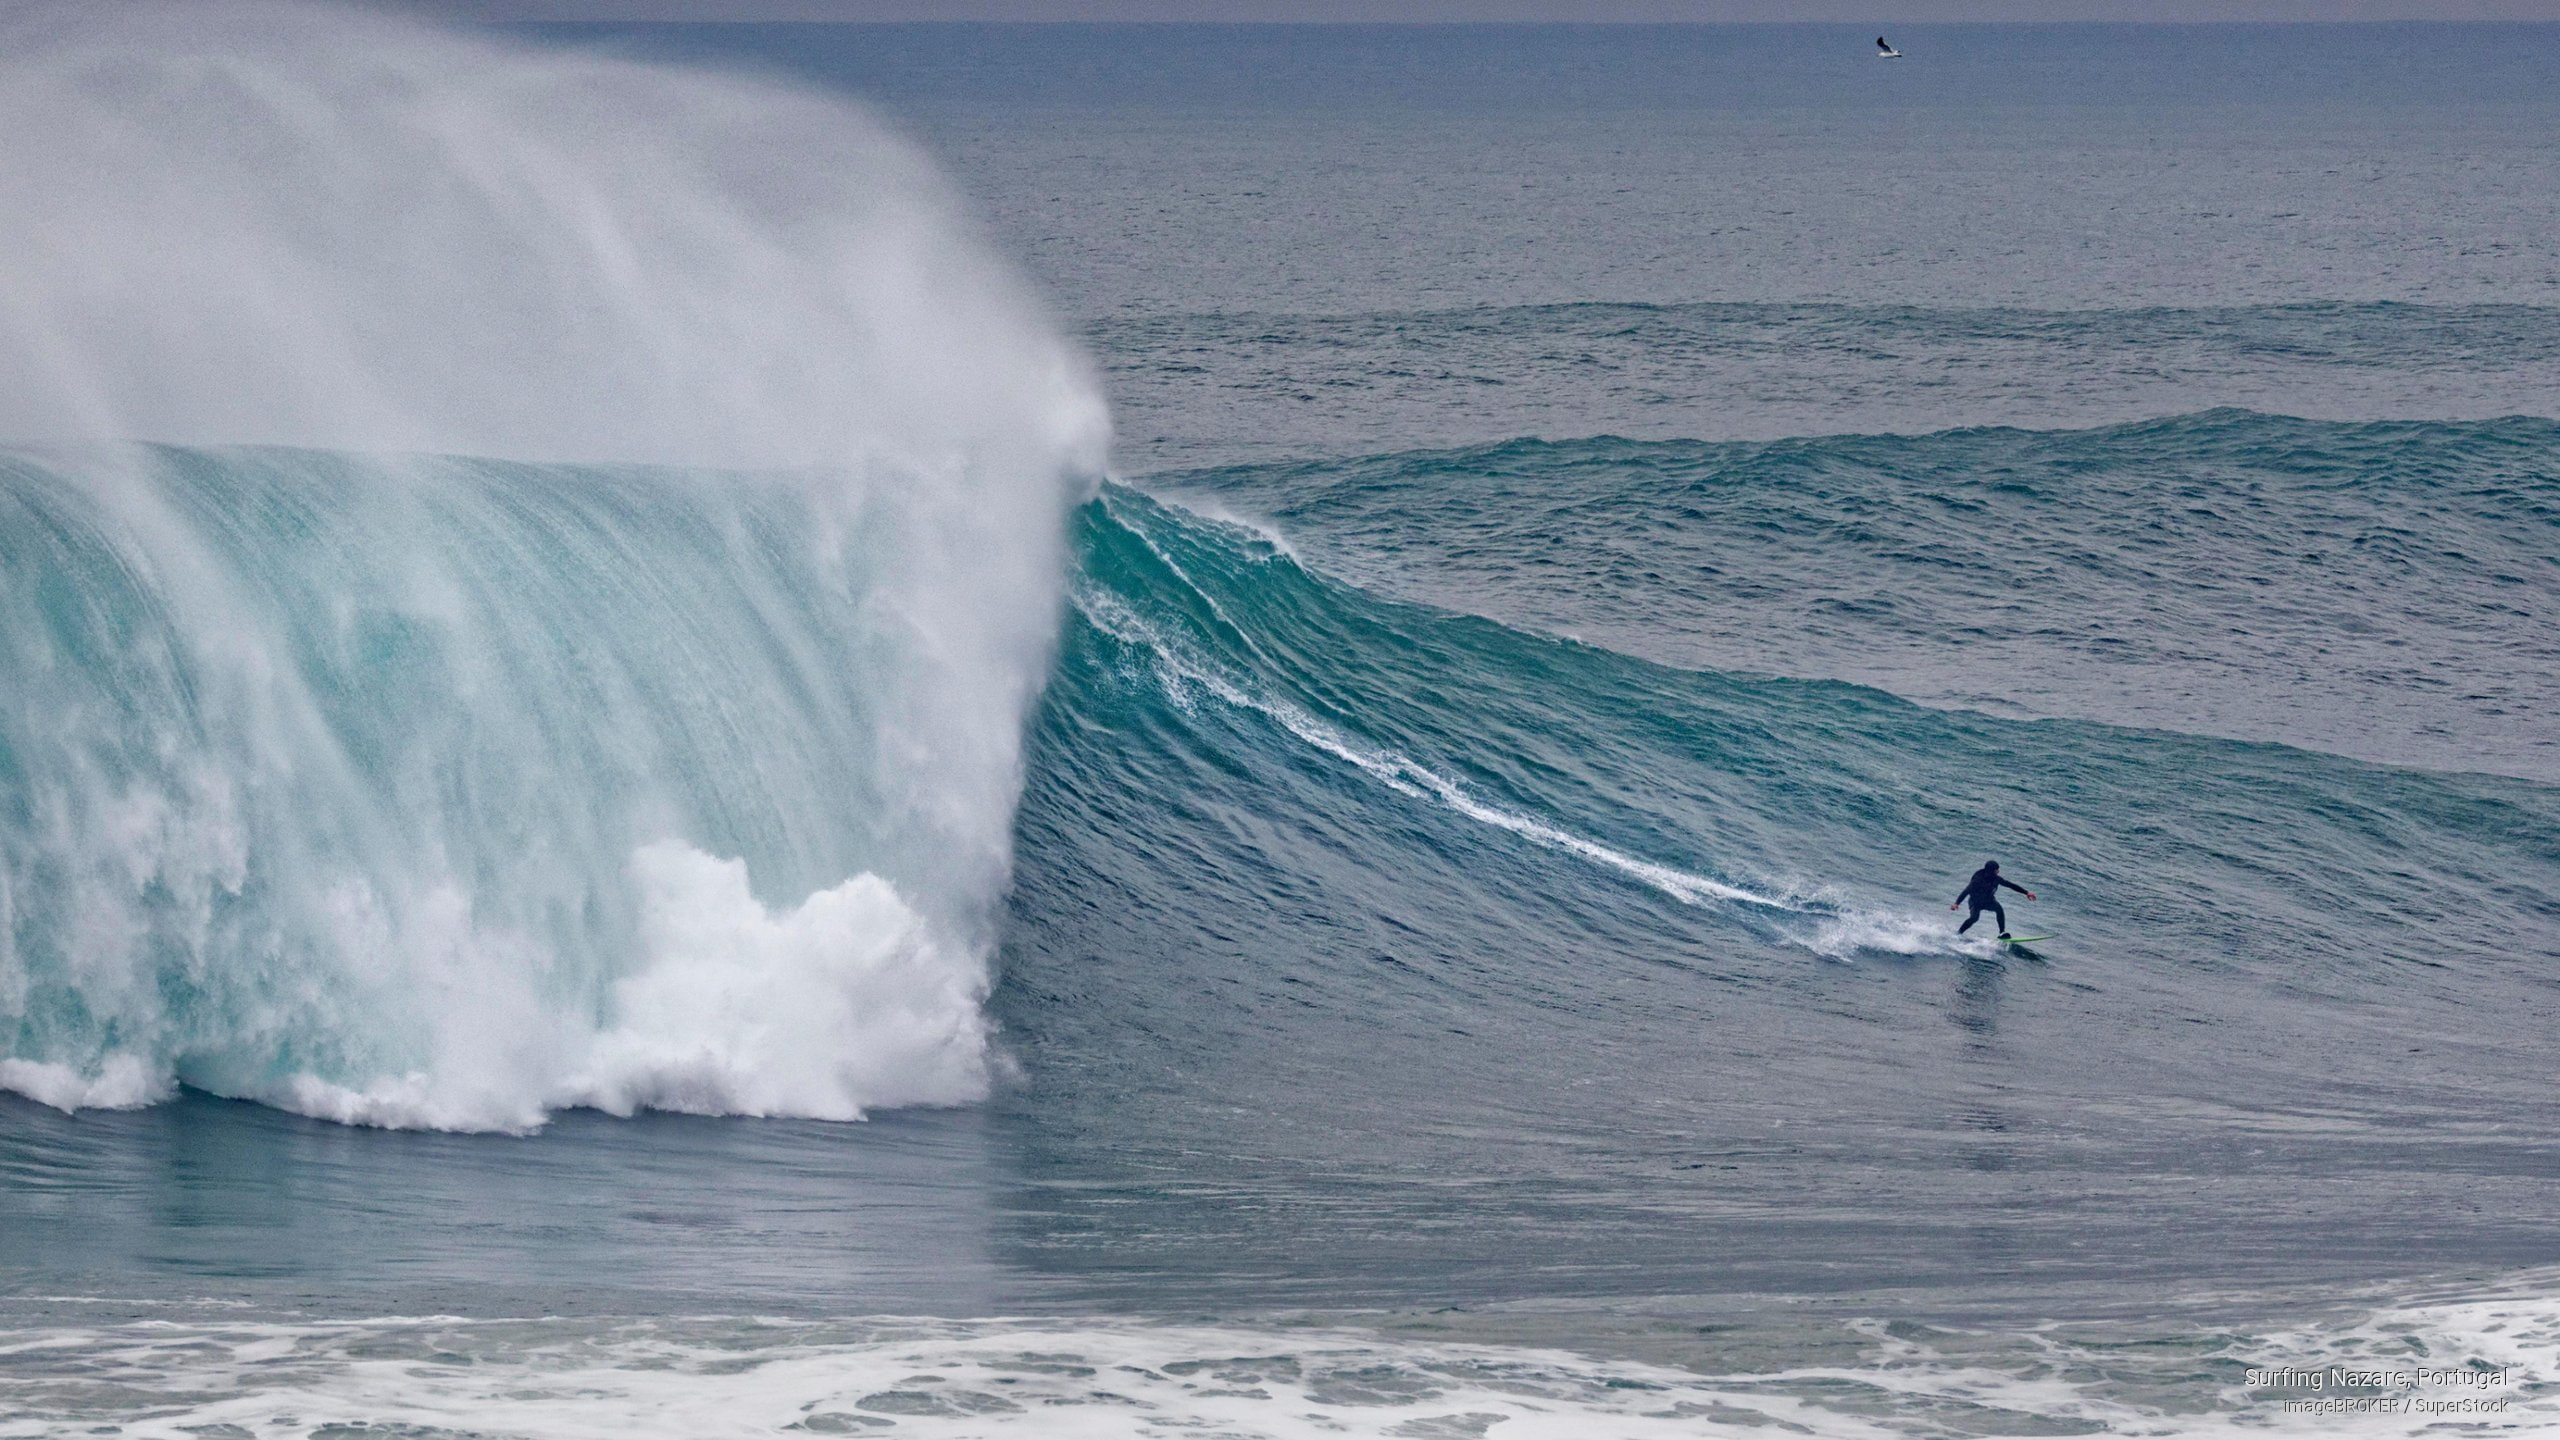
pixel 1862 12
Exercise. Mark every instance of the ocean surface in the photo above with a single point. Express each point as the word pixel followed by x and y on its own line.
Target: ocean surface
pixel 636 828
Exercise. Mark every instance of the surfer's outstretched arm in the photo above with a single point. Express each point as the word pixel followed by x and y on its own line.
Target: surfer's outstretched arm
pixel 2021 889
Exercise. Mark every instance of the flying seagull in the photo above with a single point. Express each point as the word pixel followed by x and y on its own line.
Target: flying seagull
pixel 1886 52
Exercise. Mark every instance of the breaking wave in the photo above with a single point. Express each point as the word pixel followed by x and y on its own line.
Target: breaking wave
pixel 665 754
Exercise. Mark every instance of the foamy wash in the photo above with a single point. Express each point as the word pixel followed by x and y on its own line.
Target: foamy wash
pixel 568 642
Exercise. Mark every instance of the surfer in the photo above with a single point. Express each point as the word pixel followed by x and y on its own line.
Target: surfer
pixel 1984 891
pixel 1886 52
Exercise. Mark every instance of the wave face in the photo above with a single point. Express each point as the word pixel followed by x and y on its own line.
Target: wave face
pixel 667 758
pixel 2373 589
pixel 1341 906
pixel 1209 662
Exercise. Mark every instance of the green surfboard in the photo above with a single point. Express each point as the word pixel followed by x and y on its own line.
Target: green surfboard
pixel 2024 939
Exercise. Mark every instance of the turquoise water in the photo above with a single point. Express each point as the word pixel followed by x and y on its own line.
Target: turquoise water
pixel 1417 906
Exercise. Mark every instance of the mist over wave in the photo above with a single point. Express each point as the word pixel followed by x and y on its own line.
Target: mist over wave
pixel 665 756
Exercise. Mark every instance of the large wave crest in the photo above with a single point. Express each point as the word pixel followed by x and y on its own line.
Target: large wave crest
pixel 663 752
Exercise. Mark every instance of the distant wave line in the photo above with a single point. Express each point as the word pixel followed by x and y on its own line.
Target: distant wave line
pixel 1743 309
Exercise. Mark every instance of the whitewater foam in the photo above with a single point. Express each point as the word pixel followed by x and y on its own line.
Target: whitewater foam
pixel 840 1003
pixel 119 1081
pixel 198 1370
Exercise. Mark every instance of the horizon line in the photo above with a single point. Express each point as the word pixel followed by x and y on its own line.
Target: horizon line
pixel 2361 22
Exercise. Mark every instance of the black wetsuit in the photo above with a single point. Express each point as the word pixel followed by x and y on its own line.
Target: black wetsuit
pixel 1982 892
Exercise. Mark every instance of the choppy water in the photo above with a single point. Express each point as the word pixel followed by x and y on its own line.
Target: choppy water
pixel 1475 959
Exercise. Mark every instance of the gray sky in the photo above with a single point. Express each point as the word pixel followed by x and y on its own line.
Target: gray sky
pixel 1863 12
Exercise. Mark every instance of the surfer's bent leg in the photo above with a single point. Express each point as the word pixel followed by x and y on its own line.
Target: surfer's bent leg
pixel 2000 918
pixel 1969 919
